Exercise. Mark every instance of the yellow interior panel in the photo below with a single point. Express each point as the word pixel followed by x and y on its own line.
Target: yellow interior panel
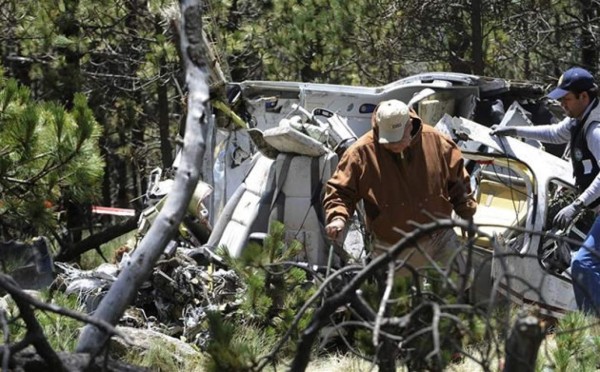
pixel 499 203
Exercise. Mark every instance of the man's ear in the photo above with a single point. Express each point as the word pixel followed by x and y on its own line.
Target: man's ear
pixel 587 95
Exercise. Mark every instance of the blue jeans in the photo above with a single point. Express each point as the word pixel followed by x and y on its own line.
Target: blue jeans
pixel 585 272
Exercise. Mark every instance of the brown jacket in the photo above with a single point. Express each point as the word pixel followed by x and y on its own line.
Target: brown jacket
pixel 396 188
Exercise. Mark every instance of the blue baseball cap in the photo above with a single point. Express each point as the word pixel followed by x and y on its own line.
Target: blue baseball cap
pixel 575 80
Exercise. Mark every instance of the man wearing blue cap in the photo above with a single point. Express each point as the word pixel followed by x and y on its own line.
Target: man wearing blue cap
pixel 577 93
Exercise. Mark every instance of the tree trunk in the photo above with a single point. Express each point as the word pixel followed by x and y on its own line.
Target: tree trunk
pixel 68 25
pixel 589 51
pixel 166 150
pixel 523 344
pixel 477 38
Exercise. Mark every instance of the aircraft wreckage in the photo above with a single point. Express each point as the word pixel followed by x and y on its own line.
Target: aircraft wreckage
pixel 276 169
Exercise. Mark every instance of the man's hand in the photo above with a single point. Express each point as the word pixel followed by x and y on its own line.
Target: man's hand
pixel 334 227
pixel 567 215
pixel 503 131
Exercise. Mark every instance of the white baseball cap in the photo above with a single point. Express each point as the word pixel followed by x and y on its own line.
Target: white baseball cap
pixel 391 118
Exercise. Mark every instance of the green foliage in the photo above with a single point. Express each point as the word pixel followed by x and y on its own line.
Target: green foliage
pixel 61 331
pixel 372 292
pixel 273 293
pixel 270 284
pixel 307 41
pixel 577 343
pixel 227 353
pixel 365 42
pixel 236 346
pixel 113 51
pixel 48 155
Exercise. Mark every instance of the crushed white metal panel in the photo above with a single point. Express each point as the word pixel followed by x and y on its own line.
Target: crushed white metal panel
pixel 542 163
pixel 517 264
pixel 516 116
pixel 232 161
pixel 300 204
pixel 432 110
pixel 284 190
pixel 270 101
pixel 290 140
pixel 241 215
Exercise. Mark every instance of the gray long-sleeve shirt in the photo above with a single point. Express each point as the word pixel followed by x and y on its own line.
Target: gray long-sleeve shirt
pixel 561 133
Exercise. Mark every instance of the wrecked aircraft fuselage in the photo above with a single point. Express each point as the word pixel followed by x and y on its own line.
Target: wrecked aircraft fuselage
pixel 257 179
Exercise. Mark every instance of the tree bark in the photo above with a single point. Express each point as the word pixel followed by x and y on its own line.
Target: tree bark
pixel 123 291
pixel 589 51
pixel 166 150
pixel 477 37
pixel 523 344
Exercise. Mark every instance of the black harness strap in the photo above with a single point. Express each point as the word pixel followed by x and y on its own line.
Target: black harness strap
pixel 278 201
pixel 316 187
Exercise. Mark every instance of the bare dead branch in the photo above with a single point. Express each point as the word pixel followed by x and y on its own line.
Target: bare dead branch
pixel 10 286
pixel 94 241
pixel 35 333
pixel 383 303
pixel 331 304
pixel 122 292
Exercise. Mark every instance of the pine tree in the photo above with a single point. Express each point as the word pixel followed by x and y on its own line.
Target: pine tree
pixel 48 156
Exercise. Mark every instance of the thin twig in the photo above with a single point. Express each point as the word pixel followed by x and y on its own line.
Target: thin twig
pixel 383 303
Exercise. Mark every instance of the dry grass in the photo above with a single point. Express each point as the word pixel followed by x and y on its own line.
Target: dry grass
pixel 342 363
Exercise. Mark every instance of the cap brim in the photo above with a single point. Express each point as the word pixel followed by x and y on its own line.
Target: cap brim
pixel 390 137
pixel 557 94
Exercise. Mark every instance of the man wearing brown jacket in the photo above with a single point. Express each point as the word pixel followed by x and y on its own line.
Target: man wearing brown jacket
pixel 399 169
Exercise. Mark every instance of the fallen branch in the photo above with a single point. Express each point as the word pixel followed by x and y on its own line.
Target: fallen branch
pixel 35 334
pixel 12 288
pixel 96 240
